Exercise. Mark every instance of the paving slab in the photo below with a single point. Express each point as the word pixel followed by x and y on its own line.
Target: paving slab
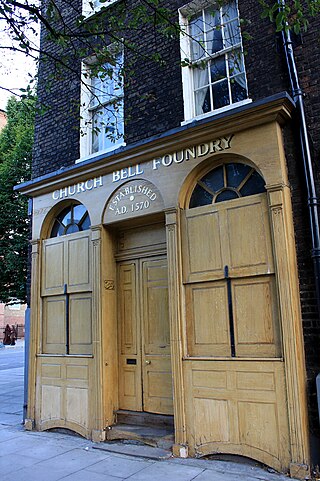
pixel 136 450
pixel 164 471
pixel 119 466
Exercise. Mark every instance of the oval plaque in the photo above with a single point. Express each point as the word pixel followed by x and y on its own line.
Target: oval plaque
pixel 133 199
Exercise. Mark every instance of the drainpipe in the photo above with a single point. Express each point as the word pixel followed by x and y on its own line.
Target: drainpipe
pixel 307 164
pixel 306 155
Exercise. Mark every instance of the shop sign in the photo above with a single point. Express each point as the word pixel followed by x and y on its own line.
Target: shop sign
pixel 193 153
pixel 78 188
pixel 138 197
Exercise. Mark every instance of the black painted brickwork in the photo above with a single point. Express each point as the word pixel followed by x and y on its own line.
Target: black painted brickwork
pixel 154 104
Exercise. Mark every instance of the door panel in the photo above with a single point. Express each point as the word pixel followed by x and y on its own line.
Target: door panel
pixel 130 396
pixel 53 267
pixel 256 317
pixel 157 378
pixel 207 319
pixel 145 380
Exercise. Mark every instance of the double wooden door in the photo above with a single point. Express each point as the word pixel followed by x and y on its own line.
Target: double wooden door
pixel 235 376
pixel 145 380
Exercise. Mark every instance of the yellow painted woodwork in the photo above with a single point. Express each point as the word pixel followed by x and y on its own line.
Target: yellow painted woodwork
pixel 63 393
pixel 63 383
pixel 238 407
pixel 234 405
pixel 144 336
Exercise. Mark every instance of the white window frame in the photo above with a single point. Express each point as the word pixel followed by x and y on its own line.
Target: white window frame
pixel 187 76
pixel 91 7
pixel 86 112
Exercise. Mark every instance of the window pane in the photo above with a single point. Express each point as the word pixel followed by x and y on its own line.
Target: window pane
pixel 213 32
pixel 220 93
pixel 200 77
pixel 214 180
pixel 232 34
pixel 196 30
pixel 236 173
pixel 78 213
pixel 72 228
pixel 229 11
pixel 200 197
pixel 238 88
pixel 226 195
pixel 218 69
pixel 202 101
pixel 235 61
pixel 57 230
pixel 85 224
pixel 65 216
pixel 254 185
pixel 108 126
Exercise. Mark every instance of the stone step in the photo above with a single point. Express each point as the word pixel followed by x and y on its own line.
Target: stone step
pixel 161 437
pixel 144 419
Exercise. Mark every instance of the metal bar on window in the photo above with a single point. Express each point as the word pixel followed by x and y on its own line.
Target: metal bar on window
pixel 230 309
pixel 67 320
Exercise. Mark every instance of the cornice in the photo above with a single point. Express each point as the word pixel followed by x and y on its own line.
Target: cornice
pixel 277 108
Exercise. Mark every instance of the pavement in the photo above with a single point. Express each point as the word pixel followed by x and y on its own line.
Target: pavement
pixel 58 455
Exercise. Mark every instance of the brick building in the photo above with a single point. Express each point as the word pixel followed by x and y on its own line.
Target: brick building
pixel 14 316
pixel 172 272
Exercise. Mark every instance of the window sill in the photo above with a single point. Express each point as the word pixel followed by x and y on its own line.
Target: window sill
pixel 213 113
pixel 100 152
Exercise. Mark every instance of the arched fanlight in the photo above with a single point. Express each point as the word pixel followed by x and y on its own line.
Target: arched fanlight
pixel 74 218
pixel 226 182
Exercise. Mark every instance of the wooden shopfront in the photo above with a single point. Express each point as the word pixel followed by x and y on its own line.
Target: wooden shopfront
pixel 164 280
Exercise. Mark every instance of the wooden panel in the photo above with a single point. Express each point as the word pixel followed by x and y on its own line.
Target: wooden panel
pixel 54 332
pixel 203 259
pixel 63 389
pixel 238 407
pixel 142 238
pixel 157 376
pixel 258 424
pixel 79 271
pixel 155 307
pixel 248 245
pixel 130 395
pixel 207 319
pixel 76 372
pixel 53 266
pixel 211 421
pixel 127 308
pixel 80 324
pixel 51 403
pixel 76 409
pixel 256 317
pixel 157 385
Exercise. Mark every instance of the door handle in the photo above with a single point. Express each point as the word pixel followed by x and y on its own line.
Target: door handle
pixel 147 362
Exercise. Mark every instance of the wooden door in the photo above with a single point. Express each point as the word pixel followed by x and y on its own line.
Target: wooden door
pixel 235 380
pixel 145 381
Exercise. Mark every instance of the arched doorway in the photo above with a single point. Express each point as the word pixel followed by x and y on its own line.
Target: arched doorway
pixel 66 345
pixel 236 389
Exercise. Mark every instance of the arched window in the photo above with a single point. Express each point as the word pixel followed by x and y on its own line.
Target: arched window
pixel 73 218
pixel 227 182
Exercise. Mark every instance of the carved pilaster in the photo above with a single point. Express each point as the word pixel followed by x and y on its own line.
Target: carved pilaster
pixel 174 282
pixel 35 330
pixel 96 395
pixel 293 346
